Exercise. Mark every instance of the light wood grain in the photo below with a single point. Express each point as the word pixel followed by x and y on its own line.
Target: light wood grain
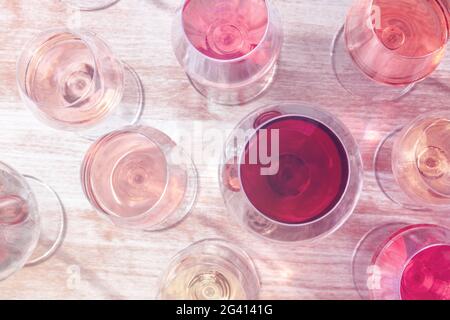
pixel 123 265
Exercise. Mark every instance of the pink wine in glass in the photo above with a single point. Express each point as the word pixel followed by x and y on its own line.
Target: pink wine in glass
pixel 228 48
pixel 13 209
pixel 62 80
pixel 427 275
pixel 407 262
pixel 71 80
pixel 313 171
pixel 227 29
pixel 397 42
pixel 128 176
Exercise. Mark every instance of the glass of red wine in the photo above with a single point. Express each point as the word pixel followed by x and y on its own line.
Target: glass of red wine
pixel 138 178
pixel 91 5
pixel 385 47
pixel 32 221
pixel 228 48
pixel 291 172
pixel 403 262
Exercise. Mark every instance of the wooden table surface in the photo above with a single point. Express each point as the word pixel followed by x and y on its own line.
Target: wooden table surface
pixel 100 261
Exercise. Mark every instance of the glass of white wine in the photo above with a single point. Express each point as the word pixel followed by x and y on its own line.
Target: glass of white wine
pixel 210 270
pixel 412 164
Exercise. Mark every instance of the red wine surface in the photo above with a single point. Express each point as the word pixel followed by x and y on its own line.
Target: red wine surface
pixel 312 176
pixel 427 275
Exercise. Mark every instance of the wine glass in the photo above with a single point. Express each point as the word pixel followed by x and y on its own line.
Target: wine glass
pixel 386 47
pixel 446 5
pixel 72 81
pixel 291 172
pixel 412 164
pixel 228 48
pixel 32 221
pixel 403 262
pixel 210 270
pixel 138 178
pixel 91 5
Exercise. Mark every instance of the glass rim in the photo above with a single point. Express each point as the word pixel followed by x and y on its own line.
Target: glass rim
pixel 269 8
pixel 87 8
pixel 361 242
pixel 6 167
pixel 217 242
pixel 22 179
pixel 87 163
pixel 394 236
pixel 434 52
pixel 308 222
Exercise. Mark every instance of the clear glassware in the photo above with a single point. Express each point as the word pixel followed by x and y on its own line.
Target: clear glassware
pixel 403 262
pixel 446 5
pixel 228 49
pixel 308 186
pixel 211 269
pixel 386 47
pixel 29 234
pixel 91 5
pixel 138 178
pixel 412 164
pixel 71 80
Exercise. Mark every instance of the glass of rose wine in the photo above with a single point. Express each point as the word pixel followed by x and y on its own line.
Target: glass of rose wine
pixel 32 221
pixel 386 47
pixel 91 5
pixel 71 80
pixel 228 48
pixel 446 5
pixel 403 262
pixel 412 164
pixel 210 270
pixel 291 172
pixel 138 178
